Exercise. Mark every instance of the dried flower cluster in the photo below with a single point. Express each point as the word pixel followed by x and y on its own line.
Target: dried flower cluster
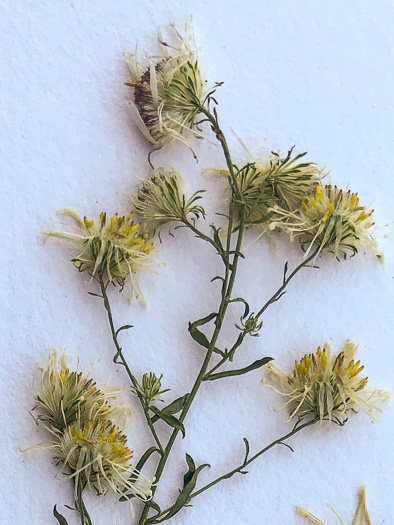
pixel 85 439
pixel 160 200
pixel 280 193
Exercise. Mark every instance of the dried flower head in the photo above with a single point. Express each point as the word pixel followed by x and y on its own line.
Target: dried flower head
pixel 168 92
pixel 150 388
pixel 66 397
pixel 274 181
pixel 161 200
pixel 111 249
pixel 331 220
pixel 97 455
pixel 326 387
pixel 361 516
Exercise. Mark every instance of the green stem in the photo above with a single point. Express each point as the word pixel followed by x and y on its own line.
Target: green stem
pixel 279 441
pixel 123 362
pixel 204 237
pixel 286 281
pixel 85 518
pixel 213 119
pixel 228 283
pixel 226 294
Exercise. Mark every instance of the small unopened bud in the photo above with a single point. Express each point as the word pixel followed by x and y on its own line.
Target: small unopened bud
pixel 251 326
pixel 150 388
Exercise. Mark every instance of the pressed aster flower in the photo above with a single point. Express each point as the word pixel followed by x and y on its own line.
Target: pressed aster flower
pixel 161 200
pixel 168 92
pixel 326 387
pixel 275 181
pixel 66 397
pixel 331 220
pixel 97 455
pixel 361 516
pixel 110 248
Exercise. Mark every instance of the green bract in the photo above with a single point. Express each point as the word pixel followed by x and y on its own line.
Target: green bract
pixel 160 200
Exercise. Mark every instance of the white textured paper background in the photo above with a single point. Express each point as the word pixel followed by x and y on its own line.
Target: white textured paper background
pixel 317 75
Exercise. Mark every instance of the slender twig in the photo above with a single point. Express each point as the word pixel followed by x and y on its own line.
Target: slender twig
pixel 213 119
pixel 81 507
pixel 279 441
pixel 226 294
pixel 204 237
pixel 123 362
pixel 246 462
pixel 286 281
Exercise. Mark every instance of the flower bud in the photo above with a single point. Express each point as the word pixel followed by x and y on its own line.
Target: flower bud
pixel 150 388
pixel 160 200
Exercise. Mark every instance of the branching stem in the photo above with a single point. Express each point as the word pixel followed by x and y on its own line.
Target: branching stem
pixel 286 281
pixel 228 283
pixel 85 518
pixel 122 361
pixel 280 441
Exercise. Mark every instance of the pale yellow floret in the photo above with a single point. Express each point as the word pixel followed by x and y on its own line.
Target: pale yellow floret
pixel 110 250
pixel 66 396
pixel 325 386
pixel 361 515
pixel 332 220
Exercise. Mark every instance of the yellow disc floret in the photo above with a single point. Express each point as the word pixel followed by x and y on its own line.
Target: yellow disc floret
pixel 322 386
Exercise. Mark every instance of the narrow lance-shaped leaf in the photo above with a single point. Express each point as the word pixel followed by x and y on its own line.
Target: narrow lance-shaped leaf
pixel 172 421
pixel 241 300
pixel 240 371
pixel 202 339
pixel 61 519
pixel 173 408
pixel 124 327
pixel 192 468
pixel 184 496
pixel 202 321
pixel 153 505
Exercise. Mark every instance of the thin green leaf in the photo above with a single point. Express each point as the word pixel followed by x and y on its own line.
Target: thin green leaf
pixel 184 496
pixel 172 421
pixel 124 327
pixel 61 519
pixel 241 300
pixel 247 447
pixel 192 468
pixel 240 371
pixel 199 337
pixel 153 505
pixel 202 339
pixel 145 457
pixel 237 252
pixel 173 408
pixel 202 321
